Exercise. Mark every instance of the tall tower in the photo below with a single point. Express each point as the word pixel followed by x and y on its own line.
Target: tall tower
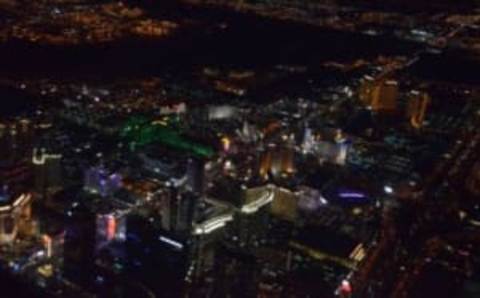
pixel 47 170
pixel 178 211
pixel 196 175
pixel 185 205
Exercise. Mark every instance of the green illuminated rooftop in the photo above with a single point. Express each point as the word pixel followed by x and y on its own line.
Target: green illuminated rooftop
pixel 141 131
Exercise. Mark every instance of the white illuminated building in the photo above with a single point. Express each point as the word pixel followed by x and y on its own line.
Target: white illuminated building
pixel 212 224
pixel 13 215
pixel 264 199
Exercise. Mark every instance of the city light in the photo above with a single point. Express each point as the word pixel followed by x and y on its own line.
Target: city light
pixel 352 195
pixel 345 287
pixel 47 241
pixel 111 227
pixel 388 189
pixel 171 242
pixel 263 200
pixel 212 224
pixel 44 157
pixel 226 143
pixel 239 148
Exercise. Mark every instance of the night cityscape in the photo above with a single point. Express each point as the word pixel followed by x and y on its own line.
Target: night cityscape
pixel 240 148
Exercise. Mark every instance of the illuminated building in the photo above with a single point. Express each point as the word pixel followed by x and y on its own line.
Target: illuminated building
pixel 251 219
pixel 248 133
pixel 285 205
pixel 53 244
pixel 140 132
pixel 99 181
pixel 366 90
pixel 48 245
pixel 196 175
pixel 162 164
pixel 308 140
pixel 384 97
pixel 177 211
pixel 15 217
pixel 184 208
pixel 212 224
pixel 110 227
pixel 332 152
pixel 380 96
pixel 277 161
pixel 221 112
pixel 334 246
pixel 177 108
pixel 265 164
pixel 330 145
pixel 248 224
pixel 417 108
pixel 288 160
pixel 167 200
pixel 47 170
pixel 309 199
pixel 207 232
pixel 256 198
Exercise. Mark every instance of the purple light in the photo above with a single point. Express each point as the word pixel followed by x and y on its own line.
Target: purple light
pixel 352 195
pixel 114 176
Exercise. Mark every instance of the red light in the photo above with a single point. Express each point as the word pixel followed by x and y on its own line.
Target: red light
pixel 111 227
pixel 346 287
